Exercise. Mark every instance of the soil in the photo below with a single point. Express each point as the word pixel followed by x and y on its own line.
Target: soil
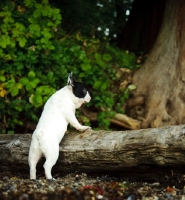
pixel 80 186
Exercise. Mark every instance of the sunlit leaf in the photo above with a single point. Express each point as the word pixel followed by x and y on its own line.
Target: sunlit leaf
pixel 31 74
pixel 14 91
pixel 2 78
pixel 132 87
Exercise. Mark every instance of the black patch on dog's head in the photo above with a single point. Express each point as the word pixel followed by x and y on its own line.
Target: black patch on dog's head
pixel 79 89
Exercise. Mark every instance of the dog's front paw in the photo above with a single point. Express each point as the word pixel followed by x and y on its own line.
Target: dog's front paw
pixel 84 128
pixel 86 133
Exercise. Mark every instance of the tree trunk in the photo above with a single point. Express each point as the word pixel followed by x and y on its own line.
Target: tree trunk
pixel 138 151
pixel 160 81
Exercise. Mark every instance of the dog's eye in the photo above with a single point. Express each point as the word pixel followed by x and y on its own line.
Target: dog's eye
pixel 84 91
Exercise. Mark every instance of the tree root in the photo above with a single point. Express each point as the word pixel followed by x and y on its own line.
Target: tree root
pixel 135 101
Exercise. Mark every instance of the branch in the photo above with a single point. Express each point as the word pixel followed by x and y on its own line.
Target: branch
pixel 119 119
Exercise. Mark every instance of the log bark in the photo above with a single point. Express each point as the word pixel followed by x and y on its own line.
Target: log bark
pixel 136 151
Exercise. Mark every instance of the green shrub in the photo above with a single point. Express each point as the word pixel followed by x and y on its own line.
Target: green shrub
pixel 35 58
pixel 29 59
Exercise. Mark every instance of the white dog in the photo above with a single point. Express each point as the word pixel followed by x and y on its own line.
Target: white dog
pixel 58 112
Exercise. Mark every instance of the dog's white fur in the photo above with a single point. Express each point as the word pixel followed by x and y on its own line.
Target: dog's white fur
pixel 58 112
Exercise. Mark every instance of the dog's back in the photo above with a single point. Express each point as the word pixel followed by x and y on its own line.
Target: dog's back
pixel 53 121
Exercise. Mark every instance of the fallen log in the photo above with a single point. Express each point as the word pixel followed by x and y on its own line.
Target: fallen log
pixel 133 152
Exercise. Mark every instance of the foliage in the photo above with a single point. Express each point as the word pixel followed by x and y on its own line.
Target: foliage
pixel 96 64
pixel 28 59
pixel 35 57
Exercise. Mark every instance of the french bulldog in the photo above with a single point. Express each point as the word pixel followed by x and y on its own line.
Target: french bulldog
pixel 58 112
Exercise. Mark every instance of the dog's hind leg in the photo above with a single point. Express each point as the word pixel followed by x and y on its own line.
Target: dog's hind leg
pixel 34 156
pixel 51 154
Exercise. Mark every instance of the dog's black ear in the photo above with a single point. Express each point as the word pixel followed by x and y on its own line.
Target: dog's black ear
pixel 70 80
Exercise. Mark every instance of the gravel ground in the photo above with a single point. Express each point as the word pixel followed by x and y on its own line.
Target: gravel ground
pixel 80 186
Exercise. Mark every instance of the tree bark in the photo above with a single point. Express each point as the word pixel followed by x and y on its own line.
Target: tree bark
pixel 137 151
pixel 160 81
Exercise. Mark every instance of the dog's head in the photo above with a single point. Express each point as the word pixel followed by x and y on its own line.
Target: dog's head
pixel 79 89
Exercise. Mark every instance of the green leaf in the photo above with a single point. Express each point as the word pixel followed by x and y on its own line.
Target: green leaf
pixel 81 75
pixel 24 80
pixel 14 91
pixel 57 22
pixel 18 108
pixel 4 41
pixel 35 29
pixel 31 98
pixel 39 90
pixel 75 48
pixel 38 99
pixel 99 60
pixel 56 11
pixel 85 66
pixel 22 42
pixel 8 57
pixel 37 12
pixel 97 56
pixel 97 84
pixel 50 23
pixel 29 86
pixel 39 6
pixel 44 12
pixel 50 11
pixel 101 64
pixel 46 33
pixel 45 1
pixel 2 78
pixel 126 93
pixel 19 27
pixel 50 75
pixel 10 132
pixel 32 20
pixel 3 131
pixel 10 83
pixel 105 85
pixel 43 40
pixel 82 55
pixel 19 65
pixel 107 57
pixel 28 2
pixel 12 44
pixel 19 85
pixel 35 82
pixel 31 74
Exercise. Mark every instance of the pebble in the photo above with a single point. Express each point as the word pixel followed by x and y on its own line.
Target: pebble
pixel 81 186
pixel 99 197
pixel 51 188
pixel 155 184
